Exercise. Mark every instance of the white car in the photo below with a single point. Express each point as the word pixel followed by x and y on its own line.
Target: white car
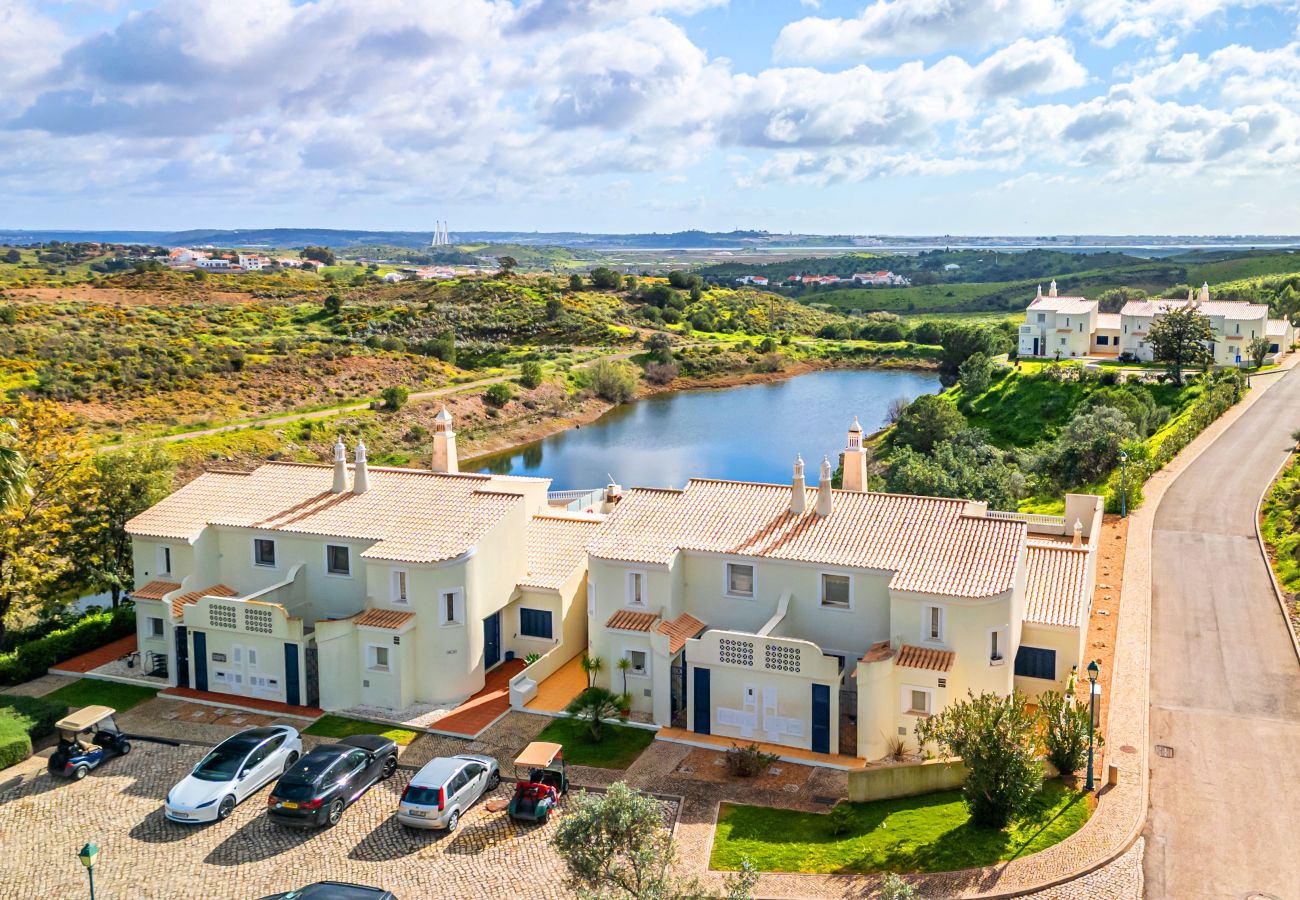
pixel 237 768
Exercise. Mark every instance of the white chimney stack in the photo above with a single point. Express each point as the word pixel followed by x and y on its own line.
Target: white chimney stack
pixel 1205 293
pixel 444 443
pixel 340 467
pixel 825 500
pixel 1051 290
pixel 798 495
pixel 855 460
pixel 1078 533
pixel 361 474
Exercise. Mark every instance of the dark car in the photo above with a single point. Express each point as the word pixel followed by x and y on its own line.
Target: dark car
pixel 330 778
pixel 334 890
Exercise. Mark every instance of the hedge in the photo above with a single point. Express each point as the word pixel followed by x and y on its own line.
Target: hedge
pixel 23 720
pixel 34 658
pixel 15 745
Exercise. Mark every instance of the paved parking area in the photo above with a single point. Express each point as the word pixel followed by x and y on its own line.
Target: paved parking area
pixel 44 822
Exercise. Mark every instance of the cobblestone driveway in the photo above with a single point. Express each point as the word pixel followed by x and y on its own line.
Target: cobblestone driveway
pixel 45 821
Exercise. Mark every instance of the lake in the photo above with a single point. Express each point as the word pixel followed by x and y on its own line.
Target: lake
pixel 746 433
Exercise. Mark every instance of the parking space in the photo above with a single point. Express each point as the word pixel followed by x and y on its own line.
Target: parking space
pixel 44 821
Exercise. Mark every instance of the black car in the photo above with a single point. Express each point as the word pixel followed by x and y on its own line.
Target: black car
pixel 330 778
pixel 334 890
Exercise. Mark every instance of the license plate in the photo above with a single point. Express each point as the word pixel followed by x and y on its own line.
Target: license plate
pixel 289 805
pixel 416 812
pixel 181 815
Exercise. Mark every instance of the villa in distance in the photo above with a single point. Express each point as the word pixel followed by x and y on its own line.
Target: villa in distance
pixel 818 618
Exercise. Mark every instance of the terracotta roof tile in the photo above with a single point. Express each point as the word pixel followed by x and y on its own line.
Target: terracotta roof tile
pixel 935 660
pixel 1070 306
pixel 680 629
pixel 1109 320
pixel 184 600
pixel 1056 588
pixel 877 652
pixel 1277 327
pixel 557 547
pixel 383 618
pixel 154 590
pixel 631 620
pixel 411 515
pixel 1228 309
pixel 929 544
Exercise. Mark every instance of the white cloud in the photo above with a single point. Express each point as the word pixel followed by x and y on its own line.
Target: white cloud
pixel 889 28
pixel 1114 21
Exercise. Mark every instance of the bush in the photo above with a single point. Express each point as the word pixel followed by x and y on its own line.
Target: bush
pixel 1065 731
pixel 748 761
pixel 614 380
pixel 91 631
pixel 15 745
pixel 498 394
pixel 661 373
pixel 530 374
pixel 395 396
pixel 37 716
pixel 841 817
pixel 927 421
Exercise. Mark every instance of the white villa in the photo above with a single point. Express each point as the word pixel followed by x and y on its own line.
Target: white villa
pixel 1066 327
pixel 817 618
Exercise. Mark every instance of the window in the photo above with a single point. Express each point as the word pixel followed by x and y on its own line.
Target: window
pixel 932 624
pixel 377 658
pixel 740 580
pixel 399 594
pixel 535 623
pixel 836 591
pixel 918 701
pixel 337 561
pixel 451 607
pixel 155 627
pixel 640 662
pixel 636 589
pixel 252 657
pixel 264 552
pixel 1042 317
pixel 1103 340
pixel 164 560
pixel 995 648
pixel 1036 662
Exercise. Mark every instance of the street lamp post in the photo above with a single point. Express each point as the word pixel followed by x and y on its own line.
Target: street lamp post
pixel 1093 671
pixel 87 856
pixel 1123 485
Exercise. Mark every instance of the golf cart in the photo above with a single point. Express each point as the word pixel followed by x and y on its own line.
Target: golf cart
pixel 87 737
pixel 542 779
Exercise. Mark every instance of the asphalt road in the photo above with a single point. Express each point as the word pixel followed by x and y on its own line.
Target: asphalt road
pixel 1225 682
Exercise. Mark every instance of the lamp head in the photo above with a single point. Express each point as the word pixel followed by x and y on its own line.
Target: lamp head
pixel 1093 670
pixel 1123 457
pixel 88 855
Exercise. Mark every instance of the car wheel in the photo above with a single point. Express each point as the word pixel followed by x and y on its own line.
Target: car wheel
pixel 335 813
pixel 493 781
pixel 124 747
pixel 80 772
pixel 226 807
pixel 290 760
pixel 390 766
pixel 453 821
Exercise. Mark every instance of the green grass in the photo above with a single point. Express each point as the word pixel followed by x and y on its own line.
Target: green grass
pixel 341 727
pixel 91 692
pixel 619 747
pixel 1280 524
pixel 932 833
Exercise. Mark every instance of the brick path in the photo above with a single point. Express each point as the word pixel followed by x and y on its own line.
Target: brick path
pixel 481 710
pixel 93 659
pixel 235 701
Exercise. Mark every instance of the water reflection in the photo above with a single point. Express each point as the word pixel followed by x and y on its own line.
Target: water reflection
pixel 748 433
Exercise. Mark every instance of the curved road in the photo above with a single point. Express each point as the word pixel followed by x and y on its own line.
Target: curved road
pixel 1225 682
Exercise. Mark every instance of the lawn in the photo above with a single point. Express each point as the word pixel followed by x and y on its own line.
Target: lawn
pixel 912 834
pixel 341 727
pixel 91 692
pixel 619 747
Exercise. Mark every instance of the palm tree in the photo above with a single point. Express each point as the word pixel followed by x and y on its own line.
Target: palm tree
pixel 13 468
pixel 592 665
pixel 595 704
pixel 624 664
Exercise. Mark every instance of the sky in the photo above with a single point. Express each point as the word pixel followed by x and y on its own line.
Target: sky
pixel 1020 117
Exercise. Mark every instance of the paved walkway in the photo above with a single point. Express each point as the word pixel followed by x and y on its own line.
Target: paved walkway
pixel 788 754
pixel 565 683
pixel 234 701
pixel 481 710
pixel 93 659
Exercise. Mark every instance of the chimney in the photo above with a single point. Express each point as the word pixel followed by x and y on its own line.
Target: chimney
pixel 340 467
pixel 444 443
pixel 1051 289
pixel 1078 534
pixel 360 475
pixel 1205 294
pixel 855 460
pixel 798 495
pixel 825 501
pixel 1040 293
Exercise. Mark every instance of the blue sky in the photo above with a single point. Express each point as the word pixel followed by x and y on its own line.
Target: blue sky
pixel 894 116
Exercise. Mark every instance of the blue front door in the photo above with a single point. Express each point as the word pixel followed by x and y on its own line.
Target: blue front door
pixel 293 692
pixel 182 658
pixel 200 661
pixel 821 718
pixel 491 640
pixel 701 699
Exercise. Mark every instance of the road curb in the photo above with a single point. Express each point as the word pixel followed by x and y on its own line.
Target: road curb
pixel 1268 562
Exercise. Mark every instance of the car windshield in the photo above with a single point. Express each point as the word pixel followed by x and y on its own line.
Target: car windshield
pixel 421 796
pixel 223 763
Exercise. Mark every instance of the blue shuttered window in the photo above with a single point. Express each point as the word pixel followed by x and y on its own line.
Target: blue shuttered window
pixel 535 623
pixel 1035 662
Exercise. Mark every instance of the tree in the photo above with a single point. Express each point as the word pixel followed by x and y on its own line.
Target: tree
pixel 555 306
pixel 322 255
pixel 13 256
pixel 1180 338
pixel 624 665
pixel 614 380
pixel 605 278
pixel 333 304
pixel 498 394
pixel 591 667
pixel 530 374
pixel 660 346
pixel 13 469
pixel 926 421
pixel 129 482
pixel 35 530
pixel 595 705
pixel 966 467
pixel 616 845
pixel 575 282
pixel 1088 447
pixel 395 396
pixel 995 737
pixel 1257 350
pixel 960 342
pixel 1065 730
pixel 508 265
pixel 975 374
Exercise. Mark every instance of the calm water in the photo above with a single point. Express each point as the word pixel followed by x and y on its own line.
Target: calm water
pixel 748 433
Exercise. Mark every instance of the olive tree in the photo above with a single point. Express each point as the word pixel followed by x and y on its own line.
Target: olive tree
pixel 1065 730
pixel 927 421
pixel 616 844
pixel 1180 338
pixel 1258 350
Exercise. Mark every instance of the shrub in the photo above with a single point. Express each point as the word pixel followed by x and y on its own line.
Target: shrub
pixel 94 630
pixel 748 761
pixel 975 374
pixel 841 819
pixel 893 887
pixel 926 421
pixel 530 374
pixel 1065 731
pixel 614 380
pixel 595 705
pixel 15 745
pixel 498 394
pixel 661 373
pixel 532 658
pixel 395 396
